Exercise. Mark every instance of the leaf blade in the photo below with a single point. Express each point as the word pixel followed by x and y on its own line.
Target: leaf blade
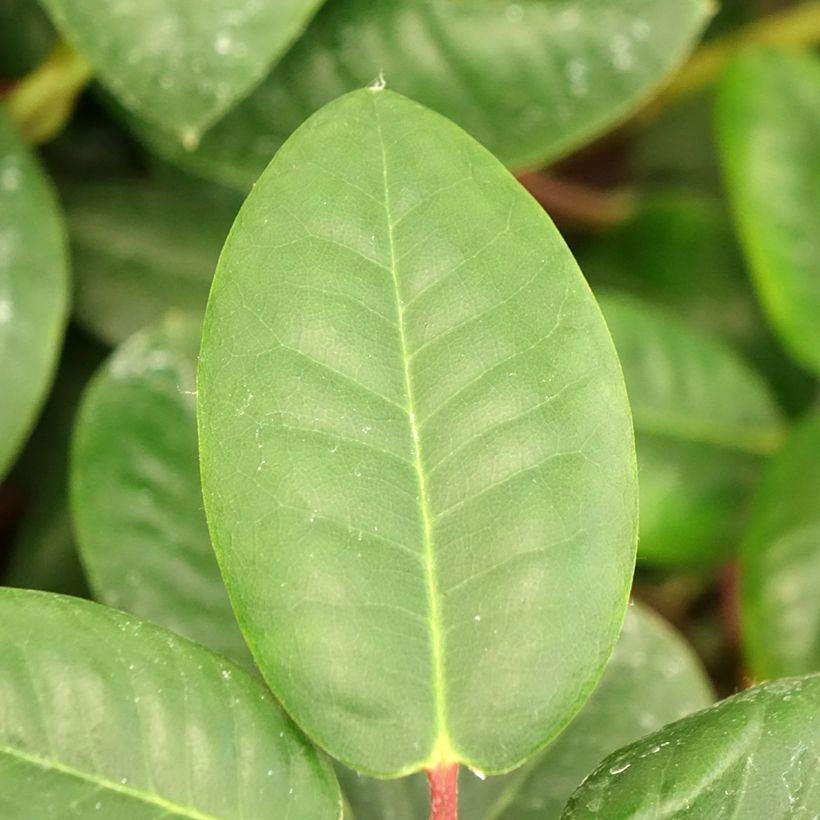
pixel 308 392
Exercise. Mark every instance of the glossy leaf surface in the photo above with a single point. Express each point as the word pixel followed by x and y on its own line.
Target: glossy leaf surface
pixel 103 715
pixel 781 561
pixel 416 447
pixel 181 63
pixel 649 658
pixel 136 497
pixel 142 249
pixel 703 421
pixel 769 128
pixel 530 80
pixel 751 756
pixel 33 291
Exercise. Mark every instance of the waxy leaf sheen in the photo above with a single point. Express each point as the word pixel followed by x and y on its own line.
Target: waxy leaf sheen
pixel 181 64
pixel 34 290
pixel 417 456
pixel 751 756
pixel 135 490
pixel 530 80
pixel 103 715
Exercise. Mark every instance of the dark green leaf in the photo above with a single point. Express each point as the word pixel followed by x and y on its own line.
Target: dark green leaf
pixel 769 129
pixel 703 422
pixel 530 80
pixel 141 249
pixel 33 291
pixel 181 64
pixel 751 756
pixel 102 715
pixel 25 37
pixel 135 490
pixel 781 561
pixel 416 447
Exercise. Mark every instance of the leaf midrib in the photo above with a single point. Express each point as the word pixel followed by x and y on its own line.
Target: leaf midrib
pixel 167 806
pixel 442 750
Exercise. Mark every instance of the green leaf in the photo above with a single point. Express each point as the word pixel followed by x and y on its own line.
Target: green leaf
pixel 650 658
pixel 181 64
pixel 781 561
pixel 102 715
pixel 530 80
pixel 135 490
pixel 141 249
pixel 652 255
pixel 44 554
pixel 751 756
pixel 33 291
pixel 703 421
pixel 768 117
pixel 416 447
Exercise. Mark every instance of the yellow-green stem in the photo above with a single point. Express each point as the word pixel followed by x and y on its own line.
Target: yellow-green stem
pixel 42 102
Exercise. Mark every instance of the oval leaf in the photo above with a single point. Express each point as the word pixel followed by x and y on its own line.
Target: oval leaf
pixel 142 249
pixel 650 658
pixel 33 290
pixel 181 64
pixel 751 756
pixel 135 490
pixel 781 562
pixel 703 422
pixel 530 80
pixel 416 447
pixel 102 715
pixel 769 126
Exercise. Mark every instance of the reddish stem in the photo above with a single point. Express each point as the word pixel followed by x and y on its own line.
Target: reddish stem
pixel 443 792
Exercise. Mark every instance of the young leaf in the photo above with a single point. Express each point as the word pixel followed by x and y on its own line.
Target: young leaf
pixel 142 249
pixel 530 80
pixel 102 715
pixel 650 658
pixel 33 290
pixel 703 422
pixel 181 64
pixel 751 756
pixel 781 561
pixel 768 117
pixel 135 488
pixel 416 447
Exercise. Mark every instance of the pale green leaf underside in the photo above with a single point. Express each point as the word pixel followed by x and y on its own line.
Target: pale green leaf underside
pixel 751 756
pixel 416 447
pixel 181 64
pixel 135 489
pixel 141 249
pixel 781 561
pixel 33 291
pixel 650 659
pixel 103 715
pixel 768 118
pixel 703 421
pixel 530 80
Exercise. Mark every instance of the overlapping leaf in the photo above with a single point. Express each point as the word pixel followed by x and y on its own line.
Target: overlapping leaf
pixel 703 422
pixel 781 561
pixel 416 447
pixel 135 490
pixel 103 715
pixel 181 63
pixel 769 128
pixel 33 290
pixel 751 756
pixel 530 80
